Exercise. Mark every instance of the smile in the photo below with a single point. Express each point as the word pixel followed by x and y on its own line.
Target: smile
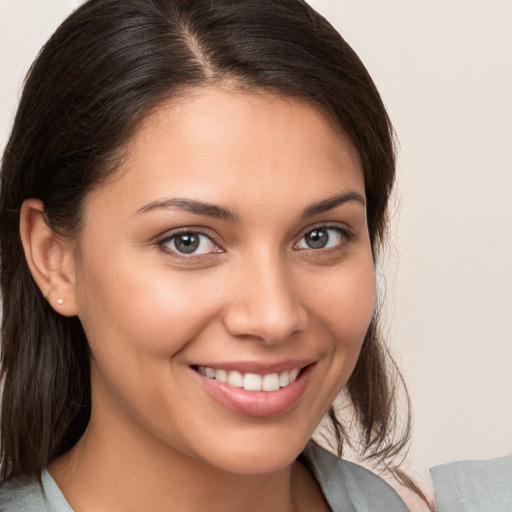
pixel 251 381
pixel 252 391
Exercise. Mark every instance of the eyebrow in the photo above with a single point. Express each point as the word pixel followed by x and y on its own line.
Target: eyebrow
pixel 192 206
pixel 333 202
pixel 220 212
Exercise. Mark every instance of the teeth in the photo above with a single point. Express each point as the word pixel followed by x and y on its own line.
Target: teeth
pixel 284 379
pixel 251 381
pixel 221 375
pixel 270 382
pixel 235 379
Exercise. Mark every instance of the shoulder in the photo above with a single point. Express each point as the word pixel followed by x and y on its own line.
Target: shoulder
pixel 33 496
pixel 474 485
pixel 351 487
pixel 21 496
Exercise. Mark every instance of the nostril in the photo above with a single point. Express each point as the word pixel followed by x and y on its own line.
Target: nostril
pixel 271 327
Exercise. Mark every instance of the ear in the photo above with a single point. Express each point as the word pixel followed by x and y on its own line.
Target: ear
pixel 50 258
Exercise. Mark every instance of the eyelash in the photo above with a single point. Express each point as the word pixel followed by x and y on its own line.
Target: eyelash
pixel 345 234
pixel 185 231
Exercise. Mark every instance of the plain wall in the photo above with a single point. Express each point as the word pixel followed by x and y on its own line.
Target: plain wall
pixel 444 71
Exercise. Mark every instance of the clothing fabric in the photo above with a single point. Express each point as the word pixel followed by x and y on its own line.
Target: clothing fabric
pixel 31 496
pixel 474 485
pixel 347 488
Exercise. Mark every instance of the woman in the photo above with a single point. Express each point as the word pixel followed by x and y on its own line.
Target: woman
pixel 193 198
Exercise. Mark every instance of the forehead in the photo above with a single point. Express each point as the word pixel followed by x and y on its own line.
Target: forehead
pixel 238 148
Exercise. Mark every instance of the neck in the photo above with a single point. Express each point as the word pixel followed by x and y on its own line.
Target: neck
pixel 124 472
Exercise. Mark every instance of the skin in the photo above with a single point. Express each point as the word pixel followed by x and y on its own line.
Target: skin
pixel 157 440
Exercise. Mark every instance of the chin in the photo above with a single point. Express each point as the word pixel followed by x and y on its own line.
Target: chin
pixel 258 463
pixel 255 454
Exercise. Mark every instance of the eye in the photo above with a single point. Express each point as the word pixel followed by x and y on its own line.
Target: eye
pixel 325 237
pixel 189 242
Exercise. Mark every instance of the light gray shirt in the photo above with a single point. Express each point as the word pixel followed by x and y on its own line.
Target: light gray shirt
pixel 474 485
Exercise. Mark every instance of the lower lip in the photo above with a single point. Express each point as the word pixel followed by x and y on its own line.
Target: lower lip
pixel 257 403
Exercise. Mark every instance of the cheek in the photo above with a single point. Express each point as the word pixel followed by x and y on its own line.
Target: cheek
pixel 345 308
pixel 149 311
pixel 138 325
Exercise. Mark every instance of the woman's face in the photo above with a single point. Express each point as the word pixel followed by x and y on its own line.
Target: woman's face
pixel 232 244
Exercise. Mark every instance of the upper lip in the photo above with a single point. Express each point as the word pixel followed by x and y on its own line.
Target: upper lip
pixel 258 366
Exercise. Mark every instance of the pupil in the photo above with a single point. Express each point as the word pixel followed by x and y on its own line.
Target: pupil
pixel 187 243
pixel 317 239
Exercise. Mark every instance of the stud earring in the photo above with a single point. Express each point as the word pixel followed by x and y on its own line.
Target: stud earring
pixel 47 296
pixel 60 302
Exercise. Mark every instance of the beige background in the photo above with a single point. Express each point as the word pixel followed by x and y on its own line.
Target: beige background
pixel 444 68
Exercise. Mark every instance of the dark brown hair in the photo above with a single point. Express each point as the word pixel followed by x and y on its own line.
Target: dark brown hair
pixel 106 68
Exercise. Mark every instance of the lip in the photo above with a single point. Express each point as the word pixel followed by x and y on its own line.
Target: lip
pixel 257 403
pixel 258 367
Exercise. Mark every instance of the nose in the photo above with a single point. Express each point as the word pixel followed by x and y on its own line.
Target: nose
pixel 264 304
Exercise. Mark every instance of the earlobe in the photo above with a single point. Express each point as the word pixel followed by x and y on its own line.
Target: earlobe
pixel 50 258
